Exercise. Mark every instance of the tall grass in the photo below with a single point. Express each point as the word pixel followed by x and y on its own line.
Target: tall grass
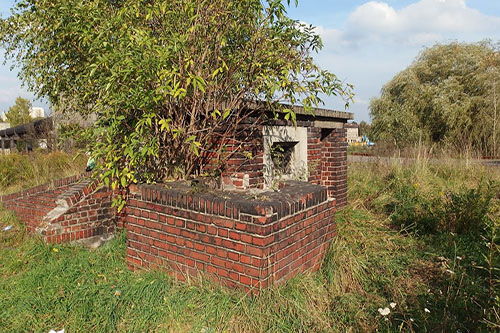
pixel 452 211
pixel 21 171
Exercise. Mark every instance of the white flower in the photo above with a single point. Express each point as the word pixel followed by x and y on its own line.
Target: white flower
pixel 393 305
pixel 427 310
pixel 384 311
pixel 412 320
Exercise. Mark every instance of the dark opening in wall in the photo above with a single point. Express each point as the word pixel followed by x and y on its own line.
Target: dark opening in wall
pixel 325 132
pixel 282 156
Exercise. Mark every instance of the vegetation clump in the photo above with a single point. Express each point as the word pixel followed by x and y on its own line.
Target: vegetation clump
pixel 23 171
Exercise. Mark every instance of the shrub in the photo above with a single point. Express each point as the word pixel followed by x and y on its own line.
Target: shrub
pixel 466 211
pixel 410 207
pixel 427 209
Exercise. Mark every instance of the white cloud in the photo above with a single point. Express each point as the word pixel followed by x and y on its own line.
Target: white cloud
pixel 377 41
pixel 420 23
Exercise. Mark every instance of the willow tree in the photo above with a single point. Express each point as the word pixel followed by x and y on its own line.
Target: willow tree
pixel 165 77
pixel 447 96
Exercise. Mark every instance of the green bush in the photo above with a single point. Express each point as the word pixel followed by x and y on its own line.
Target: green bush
pixel 427 209
pixel 466 211
pixel 411 208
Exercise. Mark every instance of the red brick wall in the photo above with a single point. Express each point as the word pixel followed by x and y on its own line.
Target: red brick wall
pixel 334 166
pixel 314 154
pixel 88 217
pixel 237 240
pixel 33 204
pixel 244 166
pixel 326 159
pixel 65 210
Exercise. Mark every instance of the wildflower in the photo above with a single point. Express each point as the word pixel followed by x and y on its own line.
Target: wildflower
pixel 427 310
pixel 384 312
pixel 55 250
pixel 393 305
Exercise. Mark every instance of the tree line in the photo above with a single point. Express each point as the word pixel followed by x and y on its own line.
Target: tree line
pixel 448 96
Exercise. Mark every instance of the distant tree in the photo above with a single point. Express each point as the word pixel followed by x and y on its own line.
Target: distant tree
pixel 448 95
pixel 364 128
pixel 167 78
pixel 19 113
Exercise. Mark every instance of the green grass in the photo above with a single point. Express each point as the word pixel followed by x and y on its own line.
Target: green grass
pixel 371 264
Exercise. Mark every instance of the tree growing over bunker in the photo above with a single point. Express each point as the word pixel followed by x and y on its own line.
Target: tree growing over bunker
pixel 171 81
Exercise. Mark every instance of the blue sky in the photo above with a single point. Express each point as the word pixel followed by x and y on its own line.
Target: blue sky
pixel 365 42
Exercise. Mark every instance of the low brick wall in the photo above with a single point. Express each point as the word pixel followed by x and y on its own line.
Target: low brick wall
pixel 33 204
pixel 241 241
pixel 68 209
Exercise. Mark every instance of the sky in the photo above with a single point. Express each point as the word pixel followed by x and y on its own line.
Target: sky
pixel 366 43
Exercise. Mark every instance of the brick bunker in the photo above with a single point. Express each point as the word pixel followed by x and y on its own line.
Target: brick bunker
pixel 241 240
pixel 268 222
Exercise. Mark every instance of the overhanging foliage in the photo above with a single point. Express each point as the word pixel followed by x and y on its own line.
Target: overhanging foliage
pixel 167 78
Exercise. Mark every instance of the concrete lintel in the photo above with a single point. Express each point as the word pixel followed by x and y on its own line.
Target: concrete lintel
pixel 319 112
pixel 328 124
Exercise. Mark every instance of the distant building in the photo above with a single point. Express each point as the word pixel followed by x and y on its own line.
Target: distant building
pixel 37 112
pixel 352 130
